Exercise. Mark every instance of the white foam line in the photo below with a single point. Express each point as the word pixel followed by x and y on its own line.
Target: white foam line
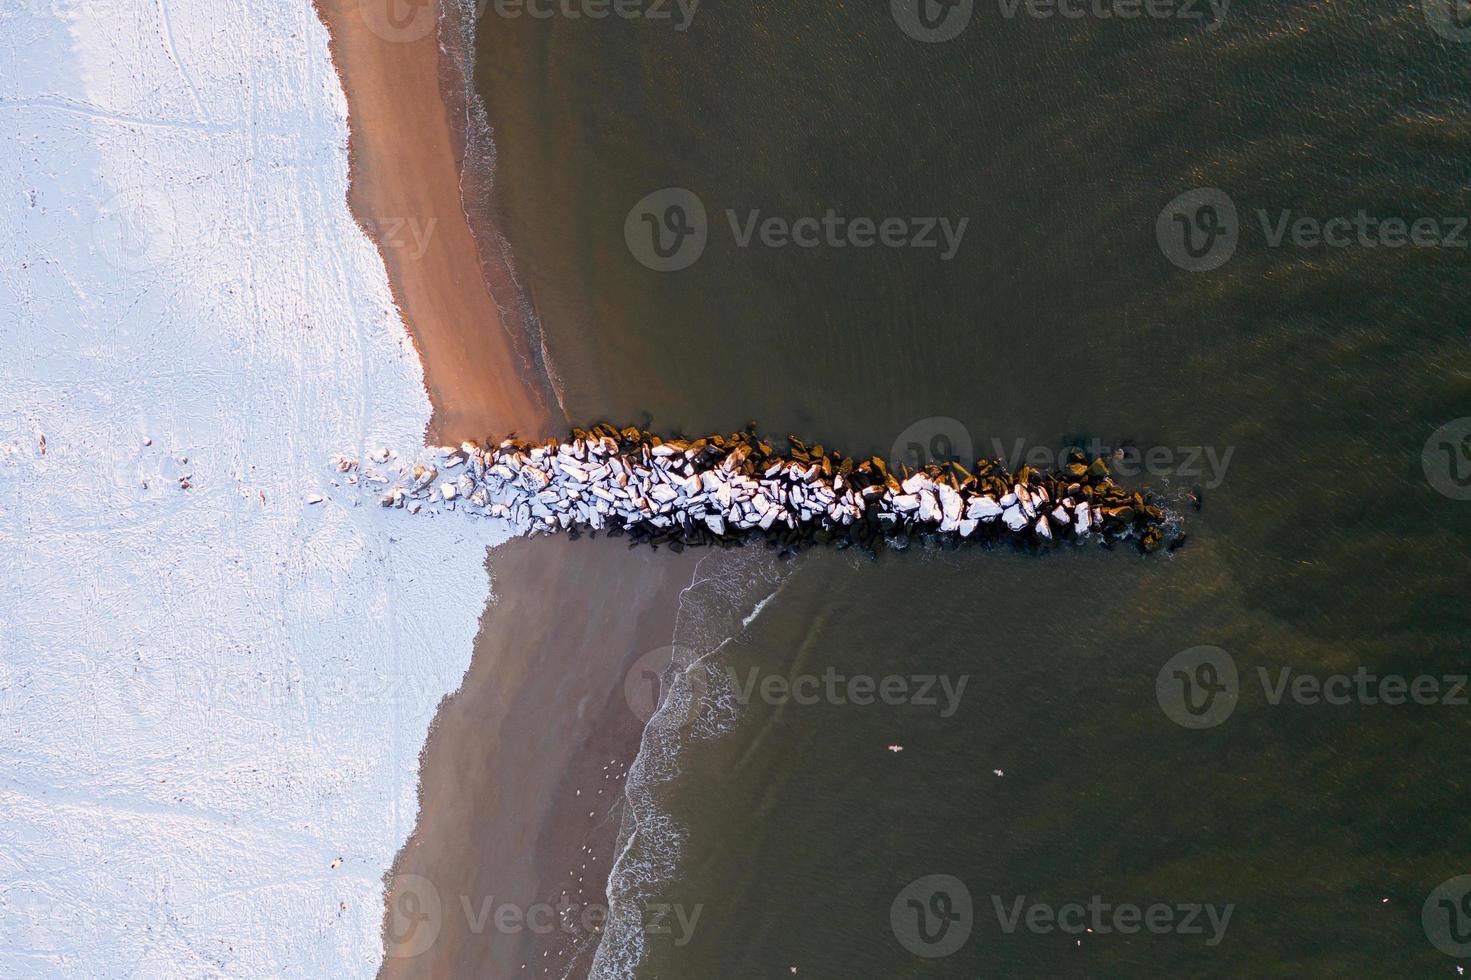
pixel 639 780
pixel 762 605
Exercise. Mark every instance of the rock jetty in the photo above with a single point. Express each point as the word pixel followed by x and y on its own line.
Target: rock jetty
pixel 725 490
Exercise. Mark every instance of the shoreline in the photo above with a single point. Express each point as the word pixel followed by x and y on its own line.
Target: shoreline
pixel 541 711
pixel 522 784
pixel 405 166
pixel 473 139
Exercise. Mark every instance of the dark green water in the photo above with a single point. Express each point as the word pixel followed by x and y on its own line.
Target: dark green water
pixel 1322 547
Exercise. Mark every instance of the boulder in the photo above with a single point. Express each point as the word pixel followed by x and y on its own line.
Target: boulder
pixel 983 509
pixel 951 508
pixel 929 506
pixel 725 488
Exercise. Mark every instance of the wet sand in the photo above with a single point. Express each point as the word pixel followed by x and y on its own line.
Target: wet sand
pixel 503 832
pixel 406 113
pixel 522 785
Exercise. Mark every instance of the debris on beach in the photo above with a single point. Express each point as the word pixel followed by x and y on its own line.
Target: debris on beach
pixel 725 490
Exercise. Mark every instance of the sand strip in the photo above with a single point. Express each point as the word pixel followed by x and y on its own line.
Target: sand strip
pixel 522 788
pixel 480 367
pixel 503 831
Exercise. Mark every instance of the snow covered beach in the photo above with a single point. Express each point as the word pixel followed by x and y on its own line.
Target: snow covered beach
pixel 211 716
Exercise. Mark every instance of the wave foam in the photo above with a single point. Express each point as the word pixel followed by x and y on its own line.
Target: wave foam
pixel 728 590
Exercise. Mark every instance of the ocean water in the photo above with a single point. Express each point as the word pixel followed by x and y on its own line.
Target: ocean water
pixel 1300 388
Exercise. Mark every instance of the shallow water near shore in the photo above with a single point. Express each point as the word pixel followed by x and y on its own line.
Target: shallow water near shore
pixel 1314 375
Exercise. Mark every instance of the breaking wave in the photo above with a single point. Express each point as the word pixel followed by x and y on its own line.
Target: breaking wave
pixel 728 591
